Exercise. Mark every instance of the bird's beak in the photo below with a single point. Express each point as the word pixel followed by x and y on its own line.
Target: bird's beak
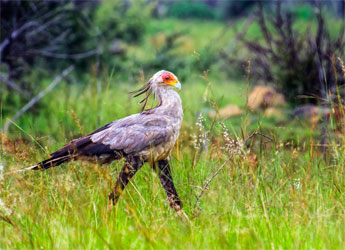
pixel 178 85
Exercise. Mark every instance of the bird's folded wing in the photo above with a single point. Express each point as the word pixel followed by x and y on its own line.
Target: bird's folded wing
pixel 134 137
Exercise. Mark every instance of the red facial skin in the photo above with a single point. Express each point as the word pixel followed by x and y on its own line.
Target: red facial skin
pixel 168 78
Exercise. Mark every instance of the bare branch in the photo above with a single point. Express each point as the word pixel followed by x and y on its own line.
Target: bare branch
pixel 208 182
pixel 13 86
pixel 263 26
pixel 240 35
pixel 38 97
pixel 60 37
pixel 4 44
pixel 66 56
pixel 16 33
pixel 45 26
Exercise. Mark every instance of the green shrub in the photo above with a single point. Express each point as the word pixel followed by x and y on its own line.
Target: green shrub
pixel 191 10
pixel 115 19
pixel 302 12
pixel 233 9
pixel 41 38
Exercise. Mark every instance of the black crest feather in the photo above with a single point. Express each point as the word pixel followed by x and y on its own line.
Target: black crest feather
pixel 147 89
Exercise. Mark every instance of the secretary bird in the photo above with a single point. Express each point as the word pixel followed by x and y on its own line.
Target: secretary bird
pixel 148 136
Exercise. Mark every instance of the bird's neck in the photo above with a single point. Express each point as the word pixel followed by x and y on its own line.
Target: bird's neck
pixel 169 100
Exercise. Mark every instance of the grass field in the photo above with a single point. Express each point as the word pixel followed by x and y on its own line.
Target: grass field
pixel 272 194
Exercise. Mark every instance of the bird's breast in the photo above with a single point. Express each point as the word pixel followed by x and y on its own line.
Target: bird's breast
pixel 162 150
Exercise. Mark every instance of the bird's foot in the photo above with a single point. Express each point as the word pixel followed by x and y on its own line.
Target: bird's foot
pixel 110 206
pixel 112 200
pixel 184 216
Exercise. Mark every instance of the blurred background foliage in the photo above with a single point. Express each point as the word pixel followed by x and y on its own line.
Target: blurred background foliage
pixel 188 9
pixel 292 46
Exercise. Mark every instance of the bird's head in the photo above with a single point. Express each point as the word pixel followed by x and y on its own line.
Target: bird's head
pixel 162 79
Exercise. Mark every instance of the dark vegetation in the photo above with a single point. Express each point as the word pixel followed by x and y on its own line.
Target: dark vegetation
pixel 53 34
pixel 44 33
pixel 50 35
pixel 302 63
pixel 185 9
pixel 294 49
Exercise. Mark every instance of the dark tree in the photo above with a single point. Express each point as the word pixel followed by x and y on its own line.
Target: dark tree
pixel 299 63
pixel 44 30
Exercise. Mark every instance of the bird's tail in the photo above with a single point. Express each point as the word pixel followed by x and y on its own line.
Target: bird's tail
pixel 79 147
pixel 66 153
pixel 43 165
pixel 52 162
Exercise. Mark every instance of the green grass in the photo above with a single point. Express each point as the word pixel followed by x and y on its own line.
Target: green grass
pixel 66 208
pixel 287 200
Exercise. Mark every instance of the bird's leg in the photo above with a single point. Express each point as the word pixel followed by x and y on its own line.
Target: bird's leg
pixel 132 165
pixel 166 179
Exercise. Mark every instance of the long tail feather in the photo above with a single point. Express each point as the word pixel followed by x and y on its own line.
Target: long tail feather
pixel 21 170
pixel 81 147
pixel 53 162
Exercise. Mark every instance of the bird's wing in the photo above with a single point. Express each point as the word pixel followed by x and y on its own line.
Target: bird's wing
pixel 131 134
pixel 135 133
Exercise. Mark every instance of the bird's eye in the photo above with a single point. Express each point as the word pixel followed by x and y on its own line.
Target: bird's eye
pixel 167 78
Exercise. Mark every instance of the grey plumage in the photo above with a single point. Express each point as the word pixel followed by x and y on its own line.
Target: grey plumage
pixel 135 133
pixel 145 137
